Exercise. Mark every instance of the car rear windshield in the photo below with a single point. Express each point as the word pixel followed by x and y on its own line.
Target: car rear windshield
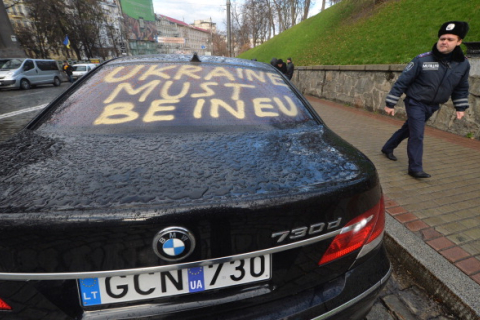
pixel 167 97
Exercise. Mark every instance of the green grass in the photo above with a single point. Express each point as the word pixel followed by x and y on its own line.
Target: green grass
pixel 357 32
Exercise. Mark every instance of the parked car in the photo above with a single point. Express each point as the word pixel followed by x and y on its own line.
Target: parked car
pixel 180 187
pixel 81 69
pixel 23 73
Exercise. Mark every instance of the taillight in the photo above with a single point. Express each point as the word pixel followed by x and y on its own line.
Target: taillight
pixel 4 305
pixel 362 230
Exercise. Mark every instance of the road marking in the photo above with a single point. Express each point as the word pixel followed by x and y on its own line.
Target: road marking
pixel 16 113
pixel 33 93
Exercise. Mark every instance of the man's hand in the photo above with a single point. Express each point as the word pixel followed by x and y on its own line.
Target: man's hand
pixel 460 114
pixel 391 111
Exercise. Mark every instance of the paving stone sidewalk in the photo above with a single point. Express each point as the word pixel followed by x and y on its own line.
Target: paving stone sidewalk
pixel 442 211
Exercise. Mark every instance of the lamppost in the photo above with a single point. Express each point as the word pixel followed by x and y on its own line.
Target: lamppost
pixel 211 37
pixel 229 30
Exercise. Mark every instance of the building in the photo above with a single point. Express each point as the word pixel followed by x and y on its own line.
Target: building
pixel 175 36
pixel 130 27
pixel 111 35
pixel 206 24
pixel 169 37
pixel 110 42
pixel 140 26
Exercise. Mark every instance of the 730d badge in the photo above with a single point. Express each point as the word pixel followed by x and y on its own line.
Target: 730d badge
pixel 173 243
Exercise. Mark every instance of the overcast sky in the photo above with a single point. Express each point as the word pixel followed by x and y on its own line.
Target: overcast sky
pixel 189 10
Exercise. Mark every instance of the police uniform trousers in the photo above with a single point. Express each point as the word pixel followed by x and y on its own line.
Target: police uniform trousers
pixel 414 129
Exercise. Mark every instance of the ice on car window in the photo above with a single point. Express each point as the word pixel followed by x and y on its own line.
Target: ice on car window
pixel 146 96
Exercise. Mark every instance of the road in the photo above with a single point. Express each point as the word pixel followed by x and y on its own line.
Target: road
pixel 18 107
pixel 400 299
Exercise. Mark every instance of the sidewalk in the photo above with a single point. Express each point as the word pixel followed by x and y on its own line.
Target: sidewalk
pixel 433 225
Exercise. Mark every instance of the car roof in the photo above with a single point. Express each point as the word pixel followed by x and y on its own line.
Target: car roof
pixel 84 64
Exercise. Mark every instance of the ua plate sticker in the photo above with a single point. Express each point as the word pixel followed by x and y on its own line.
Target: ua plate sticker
pixel 196 281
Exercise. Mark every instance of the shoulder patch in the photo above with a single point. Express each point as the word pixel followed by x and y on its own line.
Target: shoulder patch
pixel 409 67
pixel 425 54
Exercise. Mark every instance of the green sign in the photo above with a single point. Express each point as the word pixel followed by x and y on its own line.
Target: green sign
pixel 138 9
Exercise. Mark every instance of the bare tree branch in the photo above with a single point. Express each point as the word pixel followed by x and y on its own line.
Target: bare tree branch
pixel 13 3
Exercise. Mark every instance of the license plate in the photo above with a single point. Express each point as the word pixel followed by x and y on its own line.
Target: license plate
pixel 96 291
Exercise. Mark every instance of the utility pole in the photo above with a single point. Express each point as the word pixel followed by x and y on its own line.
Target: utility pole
pixel 211 37
pixel 9 46
pixel 123 30
pixel 229 30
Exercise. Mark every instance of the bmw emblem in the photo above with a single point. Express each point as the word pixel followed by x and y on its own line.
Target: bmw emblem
pixel 173 243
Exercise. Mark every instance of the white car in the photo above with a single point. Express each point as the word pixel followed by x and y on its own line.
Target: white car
pixel 24 73
pixel 81 69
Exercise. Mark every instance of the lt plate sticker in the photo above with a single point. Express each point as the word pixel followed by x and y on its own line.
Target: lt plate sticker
pixel 90 291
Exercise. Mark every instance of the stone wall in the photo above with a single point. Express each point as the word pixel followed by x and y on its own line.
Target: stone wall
pixel 366 86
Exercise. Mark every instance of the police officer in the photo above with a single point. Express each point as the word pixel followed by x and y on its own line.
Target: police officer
pixel 428 81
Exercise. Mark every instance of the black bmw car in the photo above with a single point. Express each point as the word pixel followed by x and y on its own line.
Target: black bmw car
pixel 180 187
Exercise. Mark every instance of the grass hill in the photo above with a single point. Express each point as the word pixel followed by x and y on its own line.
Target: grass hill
pixel 362 32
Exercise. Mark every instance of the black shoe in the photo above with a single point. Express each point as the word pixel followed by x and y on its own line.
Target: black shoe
pixel 390 155
pixel 419 174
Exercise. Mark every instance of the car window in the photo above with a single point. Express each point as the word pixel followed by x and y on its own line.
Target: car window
pixel 153 97
pixel 28 65
pixel 47 65
pixel 10 64
pixel 79 68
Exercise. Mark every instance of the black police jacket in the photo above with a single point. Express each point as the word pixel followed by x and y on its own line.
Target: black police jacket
pixel 431 79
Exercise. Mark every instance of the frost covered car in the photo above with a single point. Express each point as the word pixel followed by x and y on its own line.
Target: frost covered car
pixel 180 187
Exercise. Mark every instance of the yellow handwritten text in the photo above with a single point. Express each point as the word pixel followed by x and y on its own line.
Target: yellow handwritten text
pixel 147 88
pixel 158 106
pixel 117 113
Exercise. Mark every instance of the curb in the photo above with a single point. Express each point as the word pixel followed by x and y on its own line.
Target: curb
pixel 437 276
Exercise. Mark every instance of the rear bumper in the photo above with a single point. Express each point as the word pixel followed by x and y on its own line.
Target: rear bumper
pixel 353 297
pixel 350 296
pixel 358 306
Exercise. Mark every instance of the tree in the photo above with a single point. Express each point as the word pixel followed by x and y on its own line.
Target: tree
pixel 13 3
pixel 84 21
pixel 37 35
pixel 258 20
pixel 307 4
pixel 220 44
pixel 86 17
